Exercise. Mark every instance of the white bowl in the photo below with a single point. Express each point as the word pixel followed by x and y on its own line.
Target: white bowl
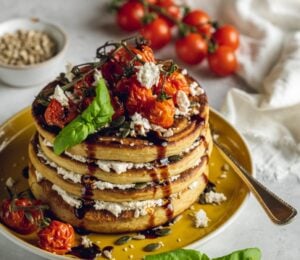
pixel 32 75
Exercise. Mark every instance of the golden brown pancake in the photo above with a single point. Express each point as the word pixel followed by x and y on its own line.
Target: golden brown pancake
pixel 105 222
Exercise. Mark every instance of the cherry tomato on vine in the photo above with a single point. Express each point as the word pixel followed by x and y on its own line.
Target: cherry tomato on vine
pixel 129 16
pixel 57 238
pixel 22 220
pixel 201 21
pixel 171 9
pixel 191 49
pixel 223 61
pixel 227 35
pixel 157 32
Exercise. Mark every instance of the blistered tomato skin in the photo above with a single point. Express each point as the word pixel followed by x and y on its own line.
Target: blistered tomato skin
pixel 138 99
pixel 16 219
pixel 57 238
pixel 162 113
pixel 57 115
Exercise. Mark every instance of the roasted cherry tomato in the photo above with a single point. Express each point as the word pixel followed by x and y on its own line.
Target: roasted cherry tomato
pixel 118 107
pixel 223 61
pixel 191 49
pixel 170 85
pixel 201 21
pixel 171 9
pixel 161 113
pixel 158 33
pixel 227 35
pixel 15 215
pixel 57 115
pixel 145 52
pixel 130 16
pixel 139 98
pixel 57 238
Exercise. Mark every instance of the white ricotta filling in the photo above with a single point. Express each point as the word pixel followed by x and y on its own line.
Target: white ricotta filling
pixel 101 185
pixel 214 197
pixel 148 74
pixel 183 102
pixel 140 207
pixel 201 219
pixel 39 176
pixel 60 96
pixel 193 185
pixel 86 242
pixel 120 167
pixel 195 89
pixel 76 203
pixel 139 125
pixel 67 175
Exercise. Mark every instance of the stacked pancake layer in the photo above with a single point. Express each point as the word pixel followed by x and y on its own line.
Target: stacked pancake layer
pixel 113 184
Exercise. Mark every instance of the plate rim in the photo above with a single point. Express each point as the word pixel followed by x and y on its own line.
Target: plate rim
pixel 195 245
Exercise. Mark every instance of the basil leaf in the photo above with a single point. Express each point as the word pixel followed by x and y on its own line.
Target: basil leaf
pixel 95 116
pixel 245 254
pixel 188 254
pixel 179 254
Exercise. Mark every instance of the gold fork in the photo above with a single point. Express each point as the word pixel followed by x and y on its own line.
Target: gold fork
pixel 279 211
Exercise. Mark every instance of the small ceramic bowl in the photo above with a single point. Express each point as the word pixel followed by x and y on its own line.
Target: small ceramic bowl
pixel 35 74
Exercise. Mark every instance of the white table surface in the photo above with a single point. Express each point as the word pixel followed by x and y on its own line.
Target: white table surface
pixel 88 26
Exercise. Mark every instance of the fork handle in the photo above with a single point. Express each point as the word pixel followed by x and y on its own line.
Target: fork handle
pixel 279 211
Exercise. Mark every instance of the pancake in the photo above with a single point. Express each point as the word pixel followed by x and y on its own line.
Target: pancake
pixel 103 221
pixel 138 150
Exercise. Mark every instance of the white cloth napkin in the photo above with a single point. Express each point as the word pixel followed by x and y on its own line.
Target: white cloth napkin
pixel 269 58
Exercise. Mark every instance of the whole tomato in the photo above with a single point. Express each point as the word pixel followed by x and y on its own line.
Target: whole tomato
pixel 227 35
pixel 22 220
pixel 157 32
pixel 223 61
pixel 161 113
pixel 57 238
pixel 129 16
pixel 191 49
pixel 201 21
pixel 171 9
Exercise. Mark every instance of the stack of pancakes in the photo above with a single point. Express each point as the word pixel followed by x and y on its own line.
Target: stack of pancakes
pixel 111 184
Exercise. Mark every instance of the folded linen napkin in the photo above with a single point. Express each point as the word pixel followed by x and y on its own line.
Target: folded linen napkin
pixel 269 58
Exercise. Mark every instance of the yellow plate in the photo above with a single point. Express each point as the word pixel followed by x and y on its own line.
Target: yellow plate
pixel 14 138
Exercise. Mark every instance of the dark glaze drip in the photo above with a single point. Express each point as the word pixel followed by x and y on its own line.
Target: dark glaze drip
pixel 92 167
pixel 25 172
pixel 151 220
pixel 85 253
pixel 81 231
pixel 199 119
pixel 204 141
pixel 157 140
pixel 167 192
pixel 149 233
pixel 87 181
pixel 86 206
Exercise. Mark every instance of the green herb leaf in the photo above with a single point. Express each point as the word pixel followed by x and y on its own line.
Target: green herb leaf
pixel 245 254
pixel 95 116
pixel 178 255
